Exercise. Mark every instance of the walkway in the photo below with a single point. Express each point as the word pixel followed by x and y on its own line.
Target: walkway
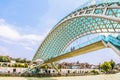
pixel 92 77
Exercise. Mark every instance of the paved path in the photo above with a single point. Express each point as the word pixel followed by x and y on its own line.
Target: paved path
pixel 92 77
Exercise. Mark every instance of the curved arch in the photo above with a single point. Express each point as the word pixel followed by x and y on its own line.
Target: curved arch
pixel 75 27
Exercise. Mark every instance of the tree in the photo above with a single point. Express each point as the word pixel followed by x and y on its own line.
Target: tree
pixel 28 61
pixel 4 59
pixel 59 66
pixel 77 62
pixel 17 59
pixel 106 66
pixel 95 72
pixel 112 63
pixel 15 65
pixel 0 58
pixel 26 65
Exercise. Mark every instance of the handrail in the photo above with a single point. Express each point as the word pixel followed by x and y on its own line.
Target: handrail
pixel 96 39
pixel 107 39
pixel 113 40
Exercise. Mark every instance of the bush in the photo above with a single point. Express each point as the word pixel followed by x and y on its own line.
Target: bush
pixel 95 72
pixel 26 65
pixel 9 65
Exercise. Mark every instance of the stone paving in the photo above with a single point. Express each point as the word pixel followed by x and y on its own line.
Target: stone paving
pixel 92 77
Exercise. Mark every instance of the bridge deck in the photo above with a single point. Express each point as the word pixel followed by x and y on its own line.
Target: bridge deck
pixel 86 49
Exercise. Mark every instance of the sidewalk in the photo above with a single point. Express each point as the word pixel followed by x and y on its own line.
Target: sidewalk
pixel 92 77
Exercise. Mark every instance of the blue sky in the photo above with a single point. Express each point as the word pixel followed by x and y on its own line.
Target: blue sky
pixel 25 23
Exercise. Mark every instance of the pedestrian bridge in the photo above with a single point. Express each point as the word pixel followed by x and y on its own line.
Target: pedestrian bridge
pixel 89 46
pixel 90 19
pixel 86 47
pixel 101 17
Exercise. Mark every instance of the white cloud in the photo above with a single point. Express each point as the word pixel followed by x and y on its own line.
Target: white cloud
pixel 2 21
pixel 9 34
pixel 28 48
pixel 32 37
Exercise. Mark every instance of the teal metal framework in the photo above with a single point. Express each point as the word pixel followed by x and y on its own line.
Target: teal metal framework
pixel 97 18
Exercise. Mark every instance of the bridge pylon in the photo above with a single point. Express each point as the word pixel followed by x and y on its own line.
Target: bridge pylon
pixel 55 67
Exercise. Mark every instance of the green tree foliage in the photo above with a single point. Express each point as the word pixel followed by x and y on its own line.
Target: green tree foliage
pixel 22 60
pixel 26 65
pixel 9 65
pixel 106 66
pixel 19 62
pixel 59 66
pixel 95 72
pixel 4 59
pixel 22 65
pixel 112 63
pixel 8 59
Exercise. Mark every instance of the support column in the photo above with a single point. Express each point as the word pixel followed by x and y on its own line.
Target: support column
pixel 55 67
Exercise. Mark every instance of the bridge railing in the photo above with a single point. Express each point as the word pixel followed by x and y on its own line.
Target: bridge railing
pixel 114 41
pixel 96 39
pixel 111 39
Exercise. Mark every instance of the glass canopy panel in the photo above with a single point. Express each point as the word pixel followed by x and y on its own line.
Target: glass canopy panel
pixel 113 12
pixel 98 11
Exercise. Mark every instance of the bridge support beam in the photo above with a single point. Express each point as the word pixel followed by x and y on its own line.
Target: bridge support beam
pixel 55 67
pixel 114 48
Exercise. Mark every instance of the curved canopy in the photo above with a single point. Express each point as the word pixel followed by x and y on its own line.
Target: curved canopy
pixel 96 2
pixel 102 18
